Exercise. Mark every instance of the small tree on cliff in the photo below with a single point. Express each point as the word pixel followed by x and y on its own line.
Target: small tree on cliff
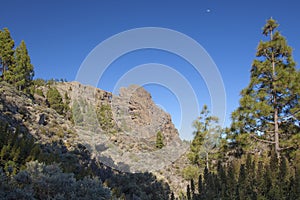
pixel 159 140
pixel 55 100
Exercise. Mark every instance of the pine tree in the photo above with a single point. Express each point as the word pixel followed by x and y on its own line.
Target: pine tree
pixel 296 186
pixel 193 187
pixel 172 196
pixel 6 52
pixel 283 177
pixel 267 182
pixel 221 173
pixel 242 182
pixel 206 138
pixel 222 180
pixel 209 184
pixel 260 179
pixel 237 193
pixel 188 193
pixel 250 178
pixel 200 185
pixel 21 73
pixel 269 106
pixel 231 181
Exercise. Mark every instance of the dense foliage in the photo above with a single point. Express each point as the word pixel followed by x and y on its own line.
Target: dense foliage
pixel 249 178
pixel 40 181
pixel 17 148
pixel 6 51
pixel 21 177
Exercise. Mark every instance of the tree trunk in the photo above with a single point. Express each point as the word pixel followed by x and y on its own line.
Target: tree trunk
pixel 276 126
pixel 276 133
pixel 207 161
pixel 3 71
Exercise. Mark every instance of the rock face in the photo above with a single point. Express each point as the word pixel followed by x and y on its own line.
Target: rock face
pixel 135 108
pixel 119 131
pixel 134 119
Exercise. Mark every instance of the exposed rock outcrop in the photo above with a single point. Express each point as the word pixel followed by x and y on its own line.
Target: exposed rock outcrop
pixel 119 131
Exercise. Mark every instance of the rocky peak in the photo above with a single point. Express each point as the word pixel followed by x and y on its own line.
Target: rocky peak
pixel 135 108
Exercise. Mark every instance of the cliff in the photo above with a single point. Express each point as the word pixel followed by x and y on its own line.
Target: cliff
pixel 118 131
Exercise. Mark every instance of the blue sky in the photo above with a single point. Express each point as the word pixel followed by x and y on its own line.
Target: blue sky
pixel 60 34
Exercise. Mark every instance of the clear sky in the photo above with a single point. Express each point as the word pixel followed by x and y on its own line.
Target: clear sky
pixel 60 34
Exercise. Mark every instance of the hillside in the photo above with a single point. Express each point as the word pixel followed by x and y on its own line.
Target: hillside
pixel 116 132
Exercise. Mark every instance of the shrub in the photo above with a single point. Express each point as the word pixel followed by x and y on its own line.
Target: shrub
pixel 55 100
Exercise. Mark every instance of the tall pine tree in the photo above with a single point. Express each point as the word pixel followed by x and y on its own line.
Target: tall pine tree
pixel 6 51
pixel 269 106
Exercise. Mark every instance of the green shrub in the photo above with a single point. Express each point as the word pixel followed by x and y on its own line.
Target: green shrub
pixel 190 172
pixel 55 100
pixel 105 118
pixel 39 92
pixel 159 140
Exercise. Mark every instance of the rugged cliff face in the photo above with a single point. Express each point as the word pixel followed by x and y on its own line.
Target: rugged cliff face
pixel 119 131
pixel 127 141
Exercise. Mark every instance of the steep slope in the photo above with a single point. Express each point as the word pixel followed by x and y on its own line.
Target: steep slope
pixel 27 113
pixel 118 131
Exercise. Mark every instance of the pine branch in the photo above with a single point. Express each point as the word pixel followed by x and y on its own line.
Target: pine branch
pixel 270 131
pixel 271 122
pixel 286 118
pixel 261 140
pixel 285 148
pixel 266 55
pixel 295 113
pixel 263 131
